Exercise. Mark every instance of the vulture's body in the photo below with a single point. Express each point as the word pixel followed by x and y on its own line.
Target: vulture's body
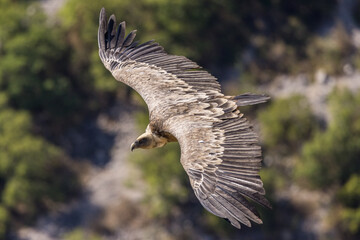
pixel 219 149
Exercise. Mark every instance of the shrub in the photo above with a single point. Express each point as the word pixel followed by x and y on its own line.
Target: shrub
pixel 33 70
pixel 287 123
pixel 29 171
pixel 331 157
pixel 349 197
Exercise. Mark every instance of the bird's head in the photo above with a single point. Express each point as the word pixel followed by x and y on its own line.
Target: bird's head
pixel 148 140
pixel 144 141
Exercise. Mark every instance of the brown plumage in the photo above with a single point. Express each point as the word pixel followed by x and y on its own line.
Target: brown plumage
pixel 219 149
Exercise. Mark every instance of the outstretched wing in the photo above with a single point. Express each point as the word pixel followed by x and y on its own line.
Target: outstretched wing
pixel 161 79
pixel 221 155
pixel 219 150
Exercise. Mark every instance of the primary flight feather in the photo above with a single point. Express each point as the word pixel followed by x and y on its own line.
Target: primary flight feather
pixel 219 149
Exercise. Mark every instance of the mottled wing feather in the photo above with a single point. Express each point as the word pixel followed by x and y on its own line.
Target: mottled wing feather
pixel 219 150
pixel 223 162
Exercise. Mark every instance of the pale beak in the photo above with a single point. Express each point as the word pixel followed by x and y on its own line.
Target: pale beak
pixel 134 145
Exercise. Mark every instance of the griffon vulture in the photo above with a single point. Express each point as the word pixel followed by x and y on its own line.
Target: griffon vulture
pixel 219 149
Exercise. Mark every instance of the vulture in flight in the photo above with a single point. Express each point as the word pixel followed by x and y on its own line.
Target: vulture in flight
pixel 219 149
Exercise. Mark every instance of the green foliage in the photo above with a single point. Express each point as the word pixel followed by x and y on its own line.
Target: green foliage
pixel 27 170
pixel 231 24
pixel 218 227
pixel 32 69
pixel 11 12
pixel 280 33
pixel 287 123
pixel 350 221
pixel 166 178
pixel 80 23
pixel 52 68
pixel 349 196
pixel 273 180
pixel 4 219
pixel 332 156
pixel 234 24
pixel 80 234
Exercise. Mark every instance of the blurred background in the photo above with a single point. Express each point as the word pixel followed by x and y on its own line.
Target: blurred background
pixel 66 170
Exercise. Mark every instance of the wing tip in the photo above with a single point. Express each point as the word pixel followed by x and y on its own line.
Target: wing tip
pixel 102 11
pixel 262 200
pixel 107 38
pixel 102 16
pixel 112 18
pixel 101 30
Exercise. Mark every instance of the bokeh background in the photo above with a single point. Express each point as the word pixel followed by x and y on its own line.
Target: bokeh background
pixel 66 125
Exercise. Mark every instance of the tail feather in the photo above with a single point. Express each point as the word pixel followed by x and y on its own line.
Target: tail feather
pixel 250 99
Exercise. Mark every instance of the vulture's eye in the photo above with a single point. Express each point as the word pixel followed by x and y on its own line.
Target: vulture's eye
pixel 142 141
